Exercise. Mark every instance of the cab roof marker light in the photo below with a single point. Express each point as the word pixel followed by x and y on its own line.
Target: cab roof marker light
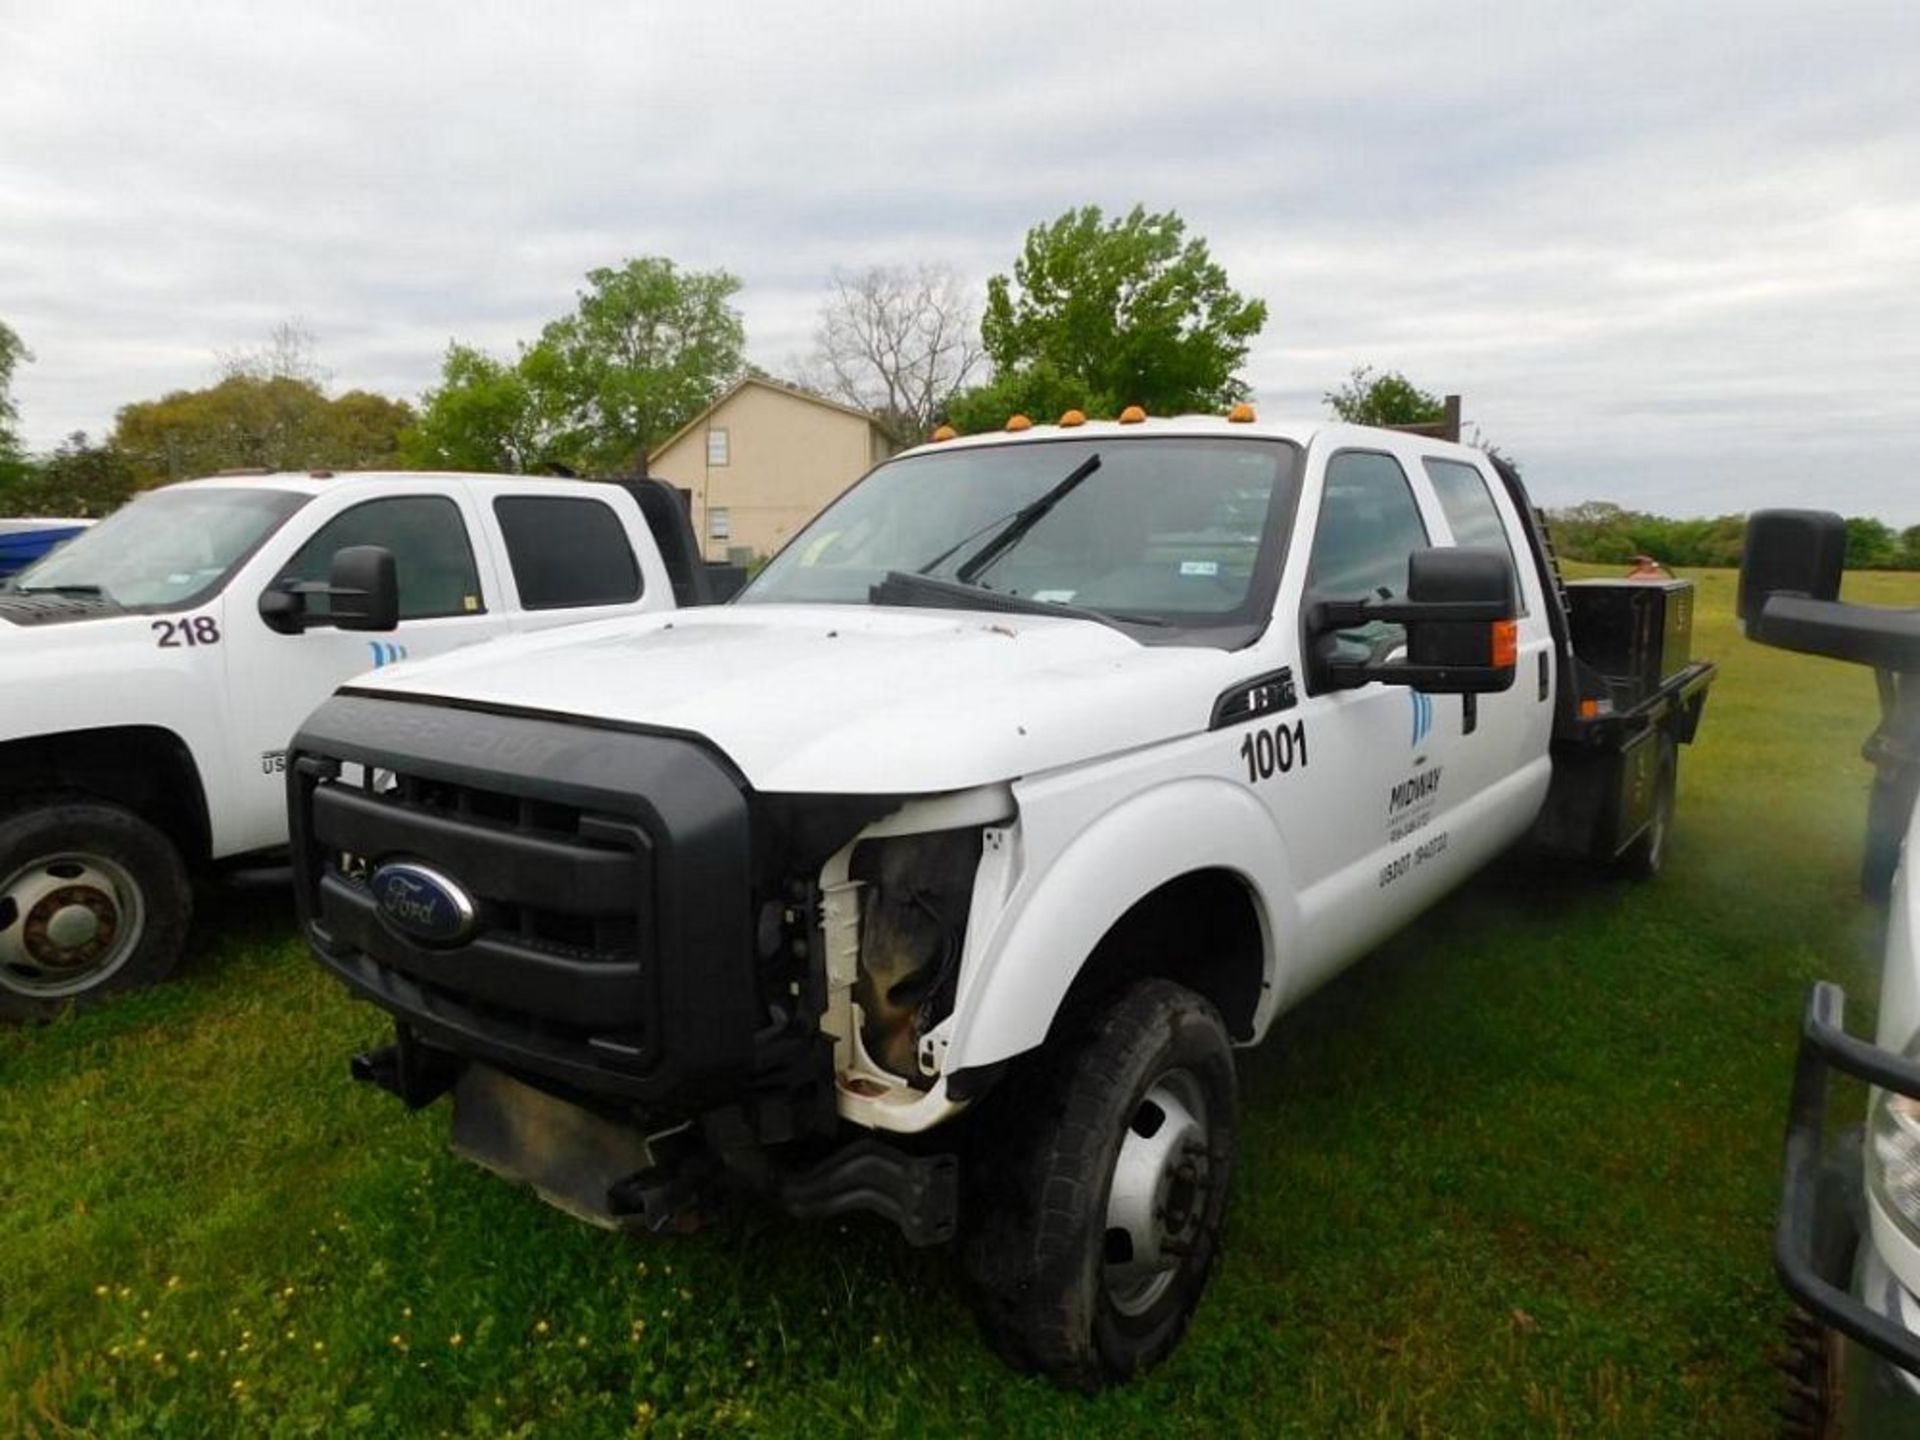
pixel 1132 415
pixel 1241 414
pixel 1019 422
pixel 943 433
pixel 1072 419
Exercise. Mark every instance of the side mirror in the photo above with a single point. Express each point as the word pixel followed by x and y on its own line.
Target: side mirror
pixel 363 589
pixel 284 609
pixel 1459 618
pixel 1800 552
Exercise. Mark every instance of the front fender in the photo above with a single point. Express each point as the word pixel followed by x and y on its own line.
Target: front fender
pixel 1059 911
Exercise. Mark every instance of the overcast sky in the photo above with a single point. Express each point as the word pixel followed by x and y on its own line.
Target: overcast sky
pixel 1670 253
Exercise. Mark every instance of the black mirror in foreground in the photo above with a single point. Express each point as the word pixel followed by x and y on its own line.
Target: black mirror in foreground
pixel 1459 618
pixel 1789 589
pixel 363 591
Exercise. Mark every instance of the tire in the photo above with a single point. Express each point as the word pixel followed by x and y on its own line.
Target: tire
pixel 93 900
pixel 1091 1224
pixel 1647 855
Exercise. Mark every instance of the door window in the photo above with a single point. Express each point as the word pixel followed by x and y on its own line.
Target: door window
pixel 566 551
pixel 1468 505
pixel 432 556
pixel 1369 525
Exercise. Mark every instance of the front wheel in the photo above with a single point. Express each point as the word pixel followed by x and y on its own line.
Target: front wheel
pixel 92 899
pixel 1100 1190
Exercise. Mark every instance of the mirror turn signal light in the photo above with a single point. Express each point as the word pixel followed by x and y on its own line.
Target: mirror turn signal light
pixel 1506 644
pixel 1132 415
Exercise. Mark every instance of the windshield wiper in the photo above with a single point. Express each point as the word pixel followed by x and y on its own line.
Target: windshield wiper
pixel 59 590
pixel 901 587
pixel 1023 520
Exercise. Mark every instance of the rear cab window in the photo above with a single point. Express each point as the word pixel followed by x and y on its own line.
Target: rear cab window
pixel 1467 502
pixel 567 551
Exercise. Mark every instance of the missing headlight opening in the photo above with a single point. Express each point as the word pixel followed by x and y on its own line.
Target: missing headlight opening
pixel 913 919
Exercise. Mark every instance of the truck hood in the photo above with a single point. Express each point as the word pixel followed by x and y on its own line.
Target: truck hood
pixel 850 699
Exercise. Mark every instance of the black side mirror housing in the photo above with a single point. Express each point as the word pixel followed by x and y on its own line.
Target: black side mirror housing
pixel 284 608
pixel 1459 617
pixel 363 588
pixel 1796 552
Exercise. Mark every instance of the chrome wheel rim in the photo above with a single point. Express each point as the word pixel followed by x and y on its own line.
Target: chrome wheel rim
pixel 1157 1201
pixel 67 923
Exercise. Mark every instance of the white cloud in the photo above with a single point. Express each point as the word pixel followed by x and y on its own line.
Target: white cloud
pixel 1671 255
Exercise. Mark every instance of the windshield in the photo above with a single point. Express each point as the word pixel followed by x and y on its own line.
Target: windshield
pixel 166 548
pixel 1171 529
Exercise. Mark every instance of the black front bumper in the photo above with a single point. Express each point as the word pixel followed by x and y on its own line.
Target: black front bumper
pixel 1802 1251
pixel 613 953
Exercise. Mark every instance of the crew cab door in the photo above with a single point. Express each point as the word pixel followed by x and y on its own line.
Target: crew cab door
pixel 276 679
pixel 1363 817
pixel 1500 758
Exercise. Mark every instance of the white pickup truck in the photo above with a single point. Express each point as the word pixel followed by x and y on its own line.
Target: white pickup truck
pixel 939 874
pixel 153 669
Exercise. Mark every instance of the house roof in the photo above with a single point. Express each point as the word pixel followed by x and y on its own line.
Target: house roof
pixel 779 387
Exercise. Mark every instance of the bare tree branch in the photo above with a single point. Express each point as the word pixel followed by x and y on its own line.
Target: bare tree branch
pixel 898 342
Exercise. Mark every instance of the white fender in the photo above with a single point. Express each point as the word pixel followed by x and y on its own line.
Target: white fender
pixel 1056 916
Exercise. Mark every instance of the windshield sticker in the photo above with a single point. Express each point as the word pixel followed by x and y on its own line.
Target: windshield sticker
pixel 1199 567
pixel 1056 597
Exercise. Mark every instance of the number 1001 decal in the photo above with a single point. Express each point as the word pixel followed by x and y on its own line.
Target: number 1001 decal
pixel 1275 751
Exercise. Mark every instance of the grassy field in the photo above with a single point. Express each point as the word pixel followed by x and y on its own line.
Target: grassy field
pixel 1512 1175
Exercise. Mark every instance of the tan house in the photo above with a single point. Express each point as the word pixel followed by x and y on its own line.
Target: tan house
pixel 764 459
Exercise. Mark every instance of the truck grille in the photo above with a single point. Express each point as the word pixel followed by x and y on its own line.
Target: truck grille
pixel 603 880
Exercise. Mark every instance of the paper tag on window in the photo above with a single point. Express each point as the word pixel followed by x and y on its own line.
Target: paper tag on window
pixel 1199 567
pixel 1054 597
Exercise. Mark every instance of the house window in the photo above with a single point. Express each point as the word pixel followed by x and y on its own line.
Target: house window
pixel 717 445
pixel 719 522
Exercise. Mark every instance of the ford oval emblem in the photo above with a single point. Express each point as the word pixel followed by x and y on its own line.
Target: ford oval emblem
pixel 423 903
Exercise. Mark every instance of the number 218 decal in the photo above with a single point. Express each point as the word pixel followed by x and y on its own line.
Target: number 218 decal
pixel 194 630
pixel 1274 752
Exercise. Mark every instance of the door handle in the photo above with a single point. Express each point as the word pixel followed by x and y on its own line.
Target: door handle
pixel 1542 657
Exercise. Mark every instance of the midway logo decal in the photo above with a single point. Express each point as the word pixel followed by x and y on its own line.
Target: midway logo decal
pixel 385 652
pixel 1422 715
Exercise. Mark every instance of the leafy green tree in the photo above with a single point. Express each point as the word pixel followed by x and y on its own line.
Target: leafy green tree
pixel 1910 548
pixel 1101 314
pixel 276 421
pixel 1871 545
pixel 647 347
pixel 12 352
pixel 1386 398
pixel 483 416
pixel 78 479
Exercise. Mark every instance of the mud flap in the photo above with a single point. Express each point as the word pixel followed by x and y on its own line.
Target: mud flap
pixel 567 1155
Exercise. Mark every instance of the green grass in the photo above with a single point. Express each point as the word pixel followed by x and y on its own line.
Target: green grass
pixel 1512 1175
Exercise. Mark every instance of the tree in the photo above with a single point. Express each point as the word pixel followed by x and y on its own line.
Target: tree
pixel 1871 544
pixel 246 420
pixel 897 342
pixel 290 353
pixel 1099 315
pixel 12 352
pixel 78 479
pixel 1384 399
pixel 647 348
pixel 483 417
